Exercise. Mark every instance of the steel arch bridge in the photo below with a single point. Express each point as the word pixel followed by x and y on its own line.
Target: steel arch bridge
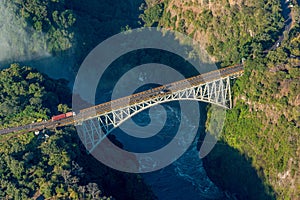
pixel 95 123
pixel 93 128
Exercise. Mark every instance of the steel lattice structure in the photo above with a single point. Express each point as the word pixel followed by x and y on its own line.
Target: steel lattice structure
pixel 94 130
pixel 96 122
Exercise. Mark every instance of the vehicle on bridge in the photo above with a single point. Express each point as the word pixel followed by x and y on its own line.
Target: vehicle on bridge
pixel 164 90
pixel 63 116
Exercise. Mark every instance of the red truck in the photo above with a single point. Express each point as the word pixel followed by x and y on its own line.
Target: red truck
pixel 62 116
pixel 58 117
pixel 70 114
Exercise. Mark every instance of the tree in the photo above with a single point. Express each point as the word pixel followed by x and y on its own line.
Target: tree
pixel 63 108
pixel 93 190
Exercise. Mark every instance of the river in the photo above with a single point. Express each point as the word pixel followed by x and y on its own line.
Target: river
pixel 184 179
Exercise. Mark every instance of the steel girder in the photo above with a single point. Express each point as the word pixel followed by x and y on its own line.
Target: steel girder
pixel 93 130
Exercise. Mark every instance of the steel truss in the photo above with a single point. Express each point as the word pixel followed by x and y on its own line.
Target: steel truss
pixel 93 130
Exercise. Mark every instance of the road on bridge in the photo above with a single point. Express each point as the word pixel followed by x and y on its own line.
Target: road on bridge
pixel 103 108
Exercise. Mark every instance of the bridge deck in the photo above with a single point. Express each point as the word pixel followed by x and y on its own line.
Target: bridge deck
pixel 132 99
pixel 155 92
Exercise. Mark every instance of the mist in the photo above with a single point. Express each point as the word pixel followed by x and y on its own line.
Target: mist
pixel 18 40
pixel 21 43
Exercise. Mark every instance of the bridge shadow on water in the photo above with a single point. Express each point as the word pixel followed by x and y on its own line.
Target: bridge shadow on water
pixel 232 172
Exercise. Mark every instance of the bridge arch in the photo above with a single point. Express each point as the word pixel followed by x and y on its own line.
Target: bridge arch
pixel 96 128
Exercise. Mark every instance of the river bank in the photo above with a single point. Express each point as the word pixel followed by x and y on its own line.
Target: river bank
pixel 187 177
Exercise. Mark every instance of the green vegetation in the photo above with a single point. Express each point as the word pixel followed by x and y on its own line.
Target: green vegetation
pixel 53 164
pixel 27 95
pixel 33 166
pixel 264 124
pixel 234 173
pixel 152 14
pixel 36 28
pixel 52 19
pixel 228 31
pixel 262 129
pixel 66 29
pixel 260 142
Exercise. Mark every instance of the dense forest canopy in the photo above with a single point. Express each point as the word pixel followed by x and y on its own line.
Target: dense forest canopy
pixel 26 96
pixel 40 29
pixel 53 164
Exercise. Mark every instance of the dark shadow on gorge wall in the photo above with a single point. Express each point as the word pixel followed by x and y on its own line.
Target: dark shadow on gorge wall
pixel 232 172
pixel 118 184
pixel 97 20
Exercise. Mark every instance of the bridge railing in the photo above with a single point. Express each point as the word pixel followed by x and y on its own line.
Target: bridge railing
pixel 173 87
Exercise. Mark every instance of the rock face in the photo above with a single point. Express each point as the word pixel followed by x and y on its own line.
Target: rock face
pixel 225 28
pixel 263 126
